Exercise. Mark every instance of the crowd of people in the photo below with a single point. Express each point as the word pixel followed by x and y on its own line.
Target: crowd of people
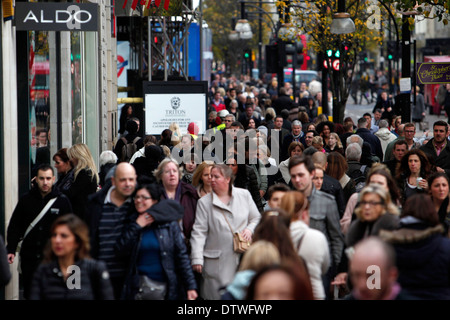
pixel 318 203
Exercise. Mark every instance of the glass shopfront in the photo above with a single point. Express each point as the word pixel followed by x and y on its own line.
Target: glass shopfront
pixel 39 98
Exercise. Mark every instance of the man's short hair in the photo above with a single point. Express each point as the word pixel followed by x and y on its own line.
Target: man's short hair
pixel 400 142
pixel 45 167
pixel 302 159
pixel 233 118
pixel 354 137
pixel 238 124
pixel 296 123
pixel 367 115
pixel 441 123
pixel 362 122
pixel 377 110
pixel 277 187
pixel 353 152
pixel 383 123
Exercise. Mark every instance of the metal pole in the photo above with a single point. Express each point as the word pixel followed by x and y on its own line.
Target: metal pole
pixel 201 39
pixel 260 73
pixel 150 42
pixel 405 98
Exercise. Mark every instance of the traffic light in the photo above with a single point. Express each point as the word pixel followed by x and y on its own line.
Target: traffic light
pixel 333 59
pixel 390 50
pixel 247 54
pixel 299 52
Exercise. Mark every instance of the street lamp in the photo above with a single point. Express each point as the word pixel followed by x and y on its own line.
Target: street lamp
pixel 242 30
pixel 342 23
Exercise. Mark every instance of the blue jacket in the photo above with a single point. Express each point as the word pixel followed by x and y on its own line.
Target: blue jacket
pixel 174 257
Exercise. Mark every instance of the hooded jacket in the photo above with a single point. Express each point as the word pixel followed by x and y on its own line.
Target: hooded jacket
pixel 385 136
pixel 423 258
pixel 174 257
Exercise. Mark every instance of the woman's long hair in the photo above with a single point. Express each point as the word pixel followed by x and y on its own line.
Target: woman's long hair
pixel 79 229
pixel 425 165
pixel 82 154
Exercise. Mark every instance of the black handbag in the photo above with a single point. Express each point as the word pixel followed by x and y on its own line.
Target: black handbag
pixel 150 289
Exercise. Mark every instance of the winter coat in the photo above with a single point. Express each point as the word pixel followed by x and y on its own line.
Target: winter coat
pixel 82 186
pixel 324 216
pixel 212 239
pixel 361 229
pixel 314 251
pixel 188 199
pixel 418 108
pixel 48 282
pixel 443 160
pixel 385 136
pixel 423 258
pixel 173 252
pixel 373 140
pixel 27 209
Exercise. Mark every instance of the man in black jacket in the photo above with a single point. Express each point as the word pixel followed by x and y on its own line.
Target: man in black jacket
pixel 27 209
pixel 283 101
pixel 132 127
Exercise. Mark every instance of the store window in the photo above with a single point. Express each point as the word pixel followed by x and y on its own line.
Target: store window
pixel 76 72
pixel 39 87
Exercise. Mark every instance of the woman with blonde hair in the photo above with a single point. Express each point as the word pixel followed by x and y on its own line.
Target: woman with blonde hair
pixel 201 179
pixel 335 144
pixel 85 175
pixel 375 211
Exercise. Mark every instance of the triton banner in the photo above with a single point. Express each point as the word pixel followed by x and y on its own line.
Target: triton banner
pixel 52 16
pixel 433 72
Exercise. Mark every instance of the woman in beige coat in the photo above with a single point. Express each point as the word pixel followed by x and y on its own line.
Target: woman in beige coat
pixel 212 252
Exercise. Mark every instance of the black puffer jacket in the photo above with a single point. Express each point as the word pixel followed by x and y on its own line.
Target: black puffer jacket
pixel 174 257
pixel 48 282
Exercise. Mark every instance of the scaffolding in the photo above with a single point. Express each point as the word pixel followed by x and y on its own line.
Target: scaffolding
pixel 158 43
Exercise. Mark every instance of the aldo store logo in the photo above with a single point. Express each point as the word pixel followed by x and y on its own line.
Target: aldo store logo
pixel 52 16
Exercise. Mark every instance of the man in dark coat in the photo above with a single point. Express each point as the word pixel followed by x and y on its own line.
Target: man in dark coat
pixel 283 102
pixel 132 128
pixel 373 140
pixel 27 209
pixel 438 148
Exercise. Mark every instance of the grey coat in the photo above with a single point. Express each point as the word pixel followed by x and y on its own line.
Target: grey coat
pixel 324 216
pixel 212 239
pixel 418 108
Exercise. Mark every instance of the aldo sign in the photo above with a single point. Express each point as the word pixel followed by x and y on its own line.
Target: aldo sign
pixel 52 16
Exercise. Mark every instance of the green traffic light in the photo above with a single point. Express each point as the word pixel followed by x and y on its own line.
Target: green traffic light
pixel 337 54
pixel 329 53
pixel 246 55
pixel 390 57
